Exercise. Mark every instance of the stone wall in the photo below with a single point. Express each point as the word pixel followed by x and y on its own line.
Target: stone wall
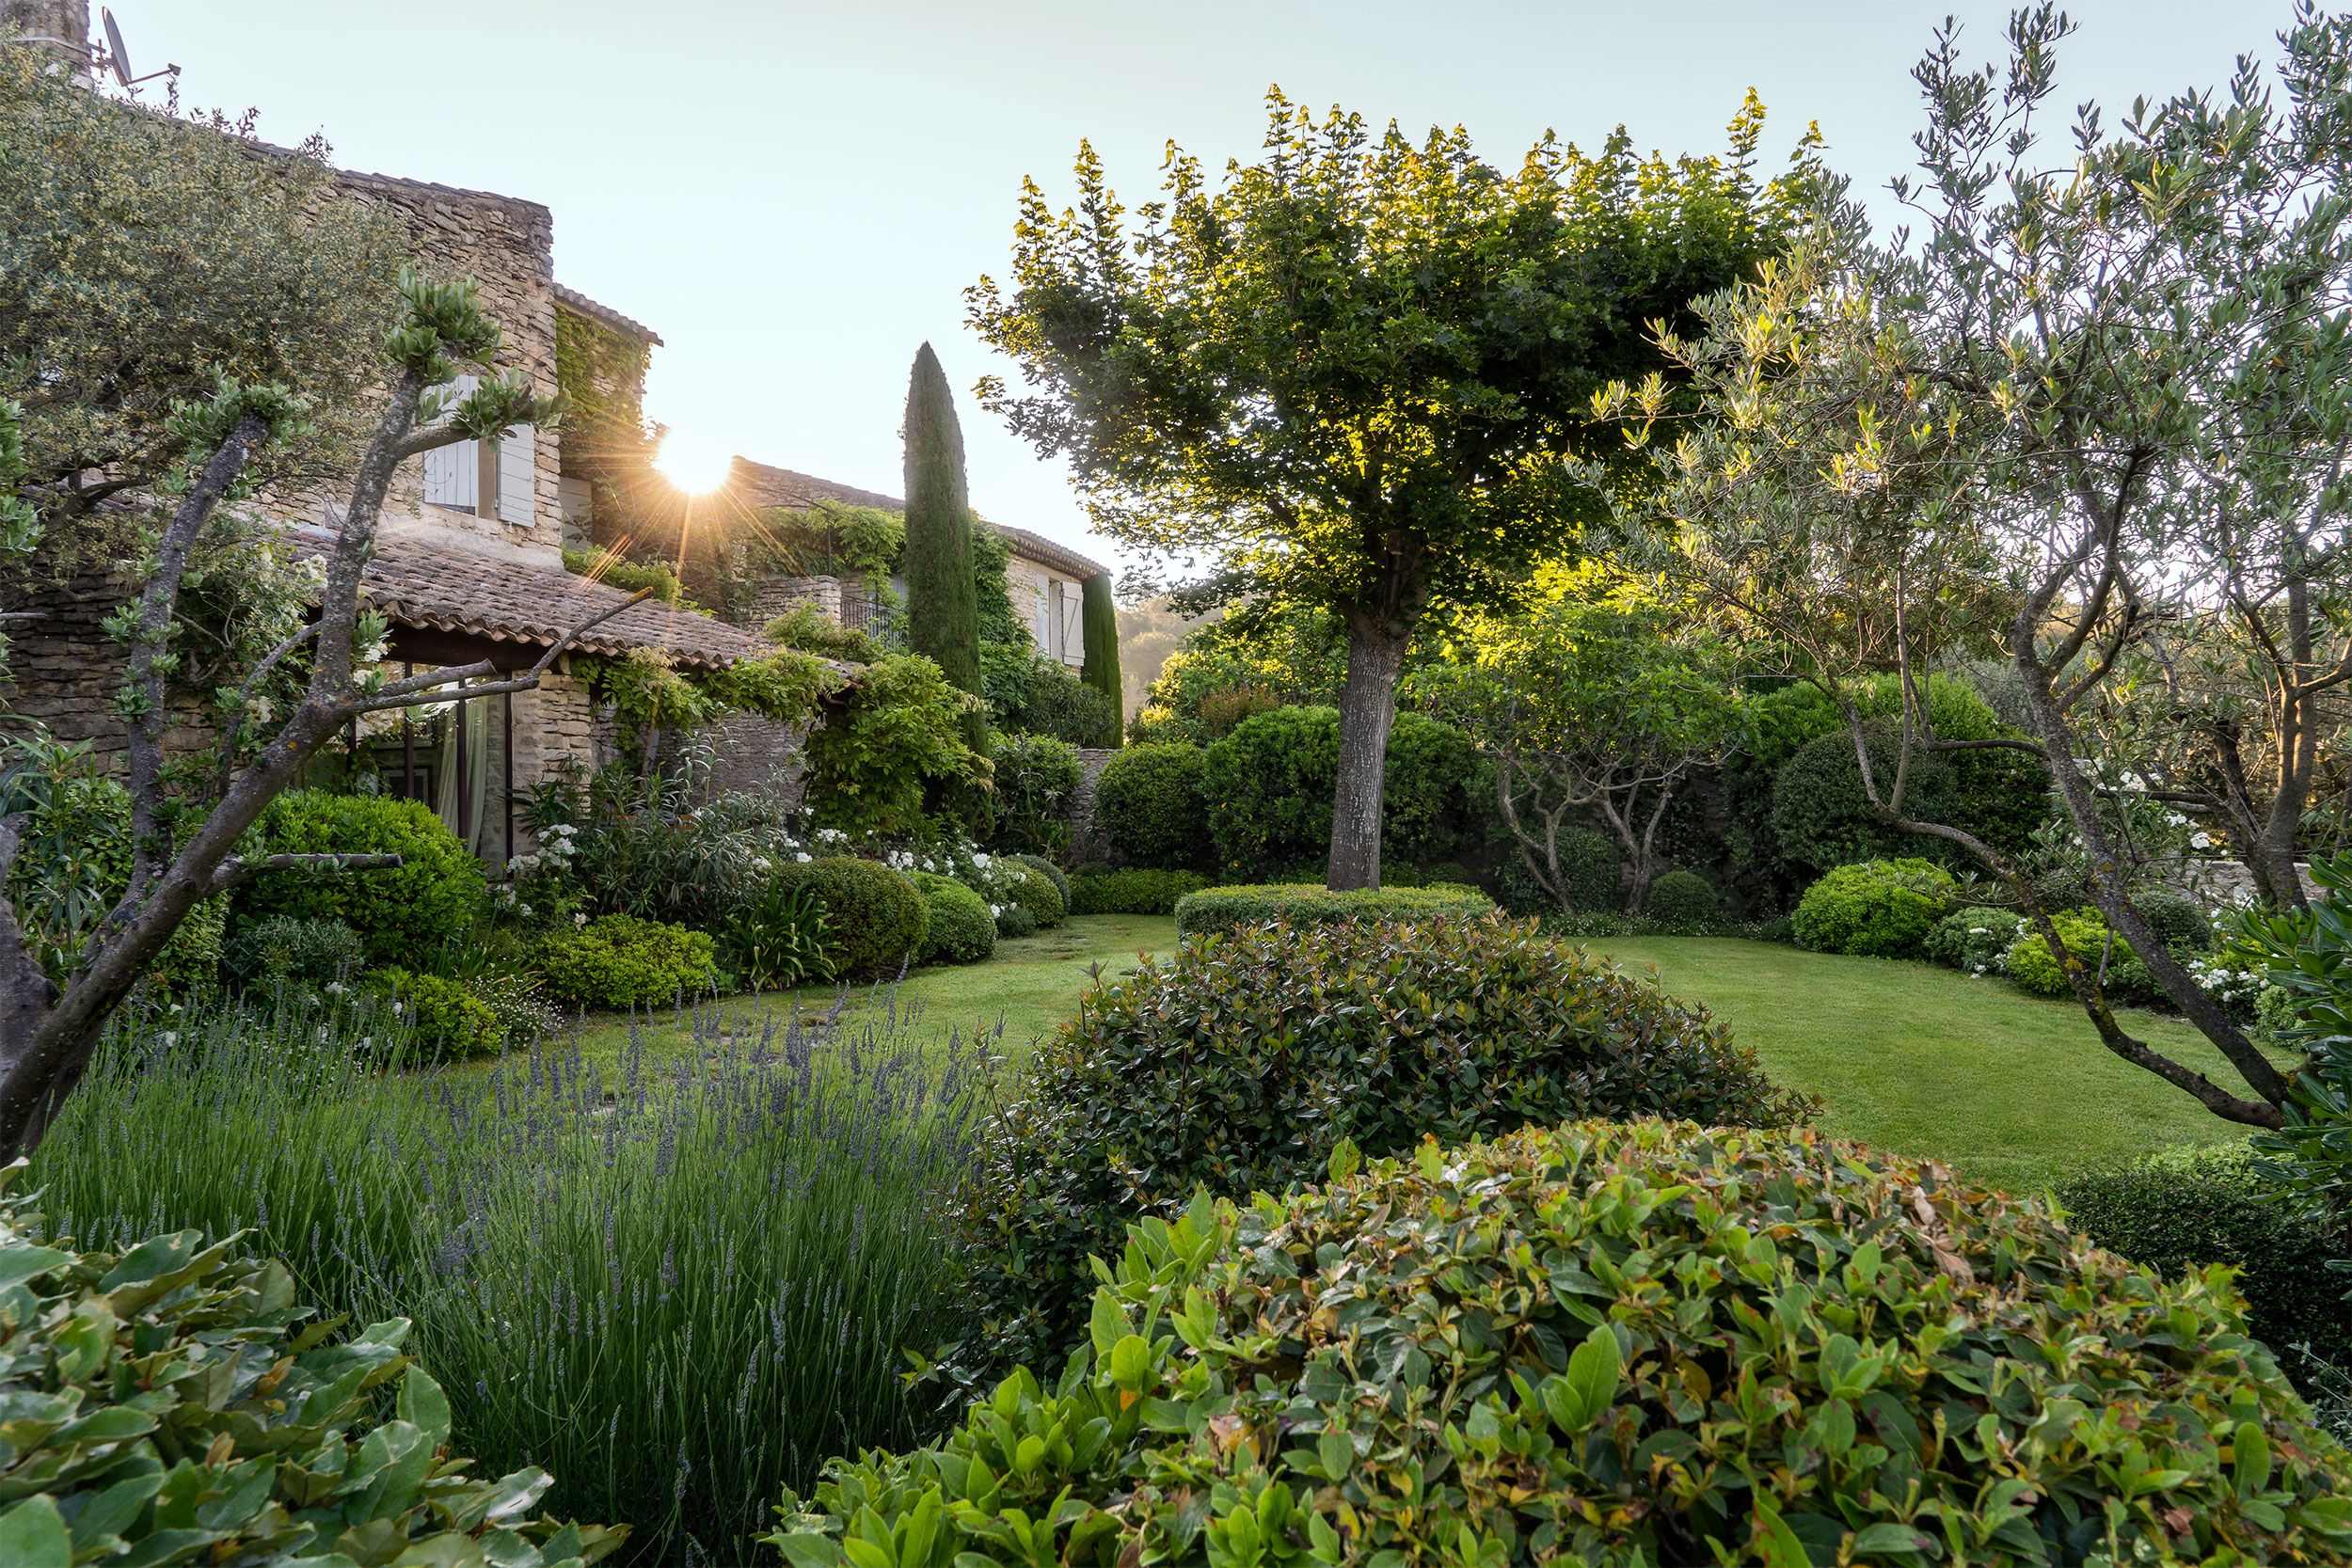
pixel 844 601
pixel 2217 882
pixel 64 673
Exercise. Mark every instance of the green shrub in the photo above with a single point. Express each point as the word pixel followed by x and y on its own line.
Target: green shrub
pixel 1053 874
pixel 174 1405
pixel 1269 786
pixel 1433 794
pixel 811 630
pixel 1590 867
pixel 407 915
pixel 1878 908
pixel 1975 940
pixel 618 960
pixel 279 949
pixel 777 935
pixel 960 929
pixel 1016 919
pixel 1605 1343
pixel 2179 920
pixel 1226 909
pixel 891 757
pixel 2180 1210
pixel 1035 892
pixel 1149 804
pixel 1680 898
pixel 448 1020
pixel 1137 890
pixel 2121 974
pixel 1240 1062
pixel 75 865
pixel 1036 781
pixel 876 918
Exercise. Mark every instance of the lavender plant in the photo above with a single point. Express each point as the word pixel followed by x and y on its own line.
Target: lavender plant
pixel 678 1282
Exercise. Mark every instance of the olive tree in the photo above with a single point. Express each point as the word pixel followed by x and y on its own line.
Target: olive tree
pixel 2093 415
pixel 47 1030
pixel 1352 370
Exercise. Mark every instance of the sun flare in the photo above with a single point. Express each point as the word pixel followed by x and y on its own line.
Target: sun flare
pixel 696 467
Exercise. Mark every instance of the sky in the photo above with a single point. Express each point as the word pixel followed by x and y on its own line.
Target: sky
pixel 796 195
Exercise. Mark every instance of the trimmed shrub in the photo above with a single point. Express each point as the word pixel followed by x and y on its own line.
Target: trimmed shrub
pixel 2121 975
pixel 2180 922
pixel 279 949
pixel 1137 890
pixel 1430 797
pixel 1879 908
pixel 1053 874
pixel 960 930
pixel 2183 1209
pixel 1269 786
pixel 875 918
pixel 1974 940
pixel 1149 802
pixel 406 915
pixel 446 1020
pixel 1680 898
pixel 777 935
pixel 1037 781
pixel 1240 1064
pixel 173 1404
pixel 1226 909
pixel 618 960
pixel 1035 892
pixel 1016 919
pixel 1611 1344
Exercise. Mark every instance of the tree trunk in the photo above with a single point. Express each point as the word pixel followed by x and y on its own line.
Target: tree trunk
pixel 1367 713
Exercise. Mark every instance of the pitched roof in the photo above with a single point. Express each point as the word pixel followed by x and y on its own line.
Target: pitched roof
pixel 763 484
pixel 606 315
pixel 436 588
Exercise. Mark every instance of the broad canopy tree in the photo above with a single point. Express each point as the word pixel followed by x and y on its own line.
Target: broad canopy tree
pixel 1352 373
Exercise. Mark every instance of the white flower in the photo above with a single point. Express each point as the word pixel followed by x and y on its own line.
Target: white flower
pixel 979 859
pixel 762 862
pixel 801 857
pixel 2200 841
pixel 171 1037
pixel 336 987
pixel 579 917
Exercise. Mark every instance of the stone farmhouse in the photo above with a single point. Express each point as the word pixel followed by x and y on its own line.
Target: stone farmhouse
pixel 469 561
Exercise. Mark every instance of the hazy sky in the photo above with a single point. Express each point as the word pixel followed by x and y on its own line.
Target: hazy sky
pixel 796 195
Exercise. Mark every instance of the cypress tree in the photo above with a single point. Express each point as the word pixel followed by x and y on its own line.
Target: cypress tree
pixel 1101 631
pixel 942 606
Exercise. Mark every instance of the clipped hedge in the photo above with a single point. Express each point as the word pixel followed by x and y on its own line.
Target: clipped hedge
pixel 404 915
pixel 1037 892
pixel 1684 898
pixel 1604 1343
pixel 1135 890
pixel 1241 1062
pixel 1269 787
pixel 1148 802
pixel 1878 908
pixel 1225 908
pixel 875 918
pixel 174 1405
pixel 618 960
pixel 960 930
pixel 444 1019
pixel 2121 974
pixel 1053 874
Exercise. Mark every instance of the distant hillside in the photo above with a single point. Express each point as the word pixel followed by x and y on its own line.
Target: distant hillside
pixel 1148 633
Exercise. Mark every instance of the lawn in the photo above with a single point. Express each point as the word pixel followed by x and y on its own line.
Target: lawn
pixel 1910 1057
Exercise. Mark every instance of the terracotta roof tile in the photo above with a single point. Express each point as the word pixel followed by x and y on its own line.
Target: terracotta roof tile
pixel 763 484
pixel 604 313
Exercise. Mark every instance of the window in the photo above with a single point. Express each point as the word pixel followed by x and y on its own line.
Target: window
pixel 1054 624
pixel 1074 635
pixel 496 479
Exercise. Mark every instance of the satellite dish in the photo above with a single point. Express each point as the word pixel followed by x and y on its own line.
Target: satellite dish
pixel 117 56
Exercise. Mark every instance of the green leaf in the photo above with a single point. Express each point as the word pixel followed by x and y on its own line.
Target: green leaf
pixel 21 1263
pixel 2249 1459
pixel 1776 1545
pixel 422 1405
pixel 1591 1380
pixel 1131 1362
pixel 1892 1540
pixel 33 1535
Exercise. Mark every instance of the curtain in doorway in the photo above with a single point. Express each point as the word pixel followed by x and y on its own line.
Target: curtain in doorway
pixel 473 720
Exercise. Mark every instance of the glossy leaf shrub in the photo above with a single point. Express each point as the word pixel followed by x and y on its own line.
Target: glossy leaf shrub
pixel 618 961
pixel 1875 908
pixel 2108 957
pixel 173 1403
pixel 1241 1061
pixel 1037 892
pixel 874 917
pixel 1683 898
pixel 1644 1343
pixel 1975 940
pixel 1053 874
pixel 1135 890
pixel 1225 908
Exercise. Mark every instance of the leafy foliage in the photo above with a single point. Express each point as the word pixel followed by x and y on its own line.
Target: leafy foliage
pixel 876 918
pixel 1037 894
pixel 1231 908
pixel 174 1405
pixel 1053 874
pixel 1099 629
pixel 1149 802
pixel 1269 782
pixel 1038 695
pixel 444 1019
pixel 960 930
pixel 1242 1061
pixel 942 606
pixel 1680 898
pixel 811 630
pixel 1877 909
pixel 1037 779
pixel 1975 940
pixel 1135 889
pixel 2089 943
pixel 618 960
pixel 280 949
pixel 616 571
pixel 891 757
pixel 406 914
pixel 777 937
pixel 1320 1379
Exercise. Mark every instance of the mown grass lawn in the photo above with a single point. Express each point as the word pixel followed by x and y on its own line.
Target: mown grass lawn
pixel 1907 1056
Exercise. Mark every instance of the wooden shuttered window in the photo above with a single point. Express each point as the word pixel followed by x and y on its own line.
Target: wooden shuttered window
pixel 517 476
pixel 453 474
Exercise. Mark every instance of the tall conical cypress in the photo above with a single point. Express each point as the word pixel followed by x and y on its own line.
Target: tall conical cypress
pixel 1100 630
pixel 943 608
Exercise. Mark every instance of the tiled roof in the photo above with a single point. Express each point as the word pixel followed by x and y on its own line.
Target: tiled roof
pixel 762 484
pixel 606 315
pixel 436 588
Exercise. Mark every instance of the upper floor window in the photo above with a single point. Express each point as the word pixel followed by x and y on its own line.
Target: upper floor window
pixel 489 479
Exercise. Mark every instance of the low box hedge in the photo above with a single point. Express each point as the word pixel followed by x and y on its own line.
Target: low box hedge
pixel 1135 890
pixel 1226 909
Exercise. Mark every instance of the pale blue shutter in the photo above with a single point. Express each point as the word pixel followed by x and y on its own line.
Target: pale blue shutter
pixel 453 474
pixel 518 477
